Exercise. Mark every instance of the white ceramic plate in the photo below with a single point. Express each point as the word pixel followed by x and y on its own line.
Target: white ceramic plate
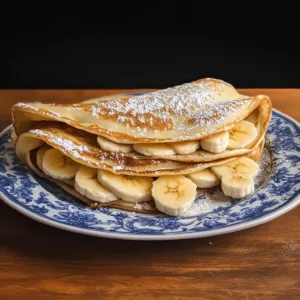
pixel 277 192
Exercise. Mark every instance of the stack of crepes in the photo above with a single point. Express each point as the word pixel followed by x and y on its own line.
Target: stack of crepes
pixel 152 152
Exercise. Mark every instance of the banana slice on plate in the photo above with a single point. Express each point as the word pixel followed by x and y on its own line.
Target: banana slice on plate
pixel 187 147
pixel 174 195
pixel 128 188
pixel 237 185
pixel 242 165
pixel 59 166
pixel 237 177
pixel 204 179
pixel 215 144
pixel 241 135
pixel 111 146
pixel 87 184
pixel 40 154
pixel 154 149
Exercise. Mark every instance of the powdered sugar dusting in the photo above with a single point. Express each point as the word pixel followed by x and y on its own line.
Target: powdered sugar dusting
pixel 265 167
pixel 74 108
pixel 26 105
pixel 138 206
pixel 117 161
pixel 220 111
pixel 201 206
pixel 196 103
pixel 55 113
pixel 141 206
pixel 118 168
pixel 67 145
pixel 178 98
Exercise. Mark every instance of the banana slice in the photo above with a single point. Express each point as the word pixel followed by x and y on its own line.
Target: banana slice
pixel 237 185
pixel 128 188
pixel 111 146
pixel 87 184
pixel 174 195
pixel 204 179
pixel 186 147
pixel 40 154
pixel 57 165
pixel 215 144
pixel 154 149
pixel 241 135
pixel 242 165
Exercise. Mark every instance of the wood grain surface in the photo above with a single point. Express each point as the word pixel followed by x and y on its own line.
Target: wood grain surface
pixel 41 262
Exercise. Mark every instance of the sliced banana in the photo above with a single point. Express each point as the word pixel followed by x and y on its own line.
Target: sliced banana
pixel 187 147
pixel 128 188
pixel 87 184
pixel 174 195
pixel 237 177
pixel 241 135
pixel 204 179
pixel 242 165
pixel 237 185
pixel 111 146
pixel 59 166
pixel 215 144
pixel 154 149
pixel 40 154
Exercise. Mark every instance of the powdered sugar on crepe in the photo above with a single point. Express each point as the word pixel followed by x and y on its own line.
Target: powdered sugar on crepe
pixel 25 105
pixel 196 104
pixel 209 116
pixel 141 206
pixel 178 98
pixel 117 161
pixel 67 145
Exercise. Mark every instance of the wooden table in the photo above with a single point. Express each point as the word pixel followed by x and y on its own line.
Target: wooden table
pixel 41 262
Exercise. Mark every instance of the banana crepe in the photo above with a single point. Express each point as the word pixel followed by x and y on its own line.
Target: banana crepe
pixel 149 152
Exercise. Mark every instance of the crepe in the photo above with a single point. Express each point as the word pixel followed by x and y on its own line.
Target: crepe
pixel 28 156
pixel 188 112
pixel 82 148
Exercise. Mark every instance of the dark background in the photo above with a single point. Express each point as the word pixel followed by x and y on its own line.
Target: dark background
pixel 60 50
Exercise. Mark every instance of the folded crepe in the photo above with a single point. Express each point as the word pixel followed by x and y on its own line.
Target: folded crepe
pixel 178 131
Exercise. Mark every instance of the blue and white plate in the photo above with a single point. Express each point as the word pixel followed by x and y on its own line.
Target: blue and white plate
pixel 277 192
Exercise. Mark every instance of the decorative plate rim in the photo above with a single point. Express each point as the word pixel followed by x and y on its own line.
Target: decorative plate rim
pixel 281 210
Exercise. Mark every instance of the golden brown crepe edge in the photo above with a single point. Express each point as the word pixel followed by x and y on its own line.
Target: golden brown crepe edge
pixel 23 117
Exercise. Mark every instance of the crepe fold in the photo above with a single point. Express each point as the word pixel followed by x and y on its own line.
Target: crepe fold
pixel 188 112
pixel 27 146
